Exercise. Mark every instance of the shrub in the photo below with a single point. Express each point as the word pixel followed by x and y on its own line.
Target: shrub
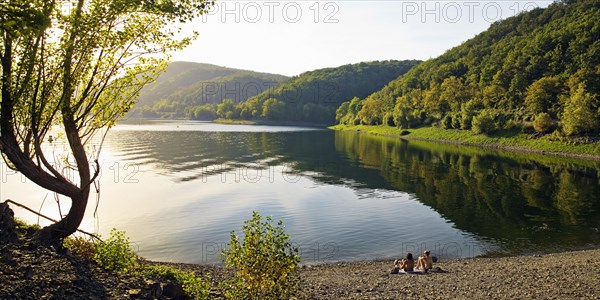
pixel 388 119
pixel 468 110
pixel 116 254
pixel 22 225
pixel 543 123
pixel 558 135
pixel 456 120
pixel 466 121
pixel 265 262
pixel 194 287
pixel 81 247
pixel 447 122
pixel 527 127
pixel 512 124
pixel 483 123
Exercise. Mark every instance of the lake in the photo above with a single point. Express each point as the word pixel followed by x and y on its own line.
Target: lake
pixel 179 188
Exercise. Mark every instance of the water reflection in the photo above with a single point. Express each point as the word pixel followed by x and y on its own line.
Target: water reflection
pixel 342 195
pixel 324 198
pixel 523 201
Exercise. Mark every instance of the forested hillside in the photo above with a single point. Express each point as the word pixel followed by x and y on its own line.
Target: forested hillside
pixel 539 70
pixel 312 97
pixel 187 90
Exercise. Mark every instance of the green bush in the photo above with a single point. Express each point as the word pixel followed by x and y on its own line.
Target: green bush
pixel 388 119
pixel 483 123
pixel 447 122
pixel 456 121
pixel 512 124
pixel 81 247
pixel 116 254
pixel 194 287
pixel 265 262
pixel 466 121
pixel 543 123
pixel 22 225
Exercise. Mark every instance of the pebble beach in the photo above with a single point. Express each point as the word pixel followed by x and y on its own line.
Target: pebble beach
pixel 31 272
pixel 566 275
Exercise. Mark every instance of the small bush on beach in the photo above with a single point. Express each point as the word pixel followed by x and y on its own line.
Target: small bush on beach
pixel 81 247
pixel 20 224
pixel 194 287
pixel 115 253
pixel 265 262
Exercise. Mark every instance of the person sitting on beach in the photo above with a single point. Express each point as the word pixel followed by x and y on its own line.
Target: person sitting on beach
pixel 425 262
pixel 407 264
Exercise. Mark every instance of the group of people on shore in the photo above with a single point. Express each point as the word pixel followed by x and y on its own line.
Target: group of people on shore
pixel 407 264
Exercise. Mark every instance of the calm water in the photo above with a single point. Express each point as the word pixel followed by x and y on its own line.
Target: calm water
pixel 179 188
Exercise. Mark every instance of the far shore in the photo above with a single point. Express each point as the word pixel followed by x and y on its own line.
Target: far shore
pixel 586 152
pixel 564 275
pixel 269 123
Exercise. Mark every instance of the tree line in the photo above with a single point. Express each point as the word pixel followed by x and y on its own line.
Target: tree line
pixel 313 96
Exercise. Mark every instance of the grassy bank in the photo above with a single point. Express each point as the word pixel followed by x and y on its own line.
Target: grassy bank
pixel 268 122
pixel 234 122
pixel 507 139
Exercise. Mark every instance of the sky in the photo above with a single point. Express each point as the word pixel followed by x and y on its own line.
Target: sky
pixel 291 37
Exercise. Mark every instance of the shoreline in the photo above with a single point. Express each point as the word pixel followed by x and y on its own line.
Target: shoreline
pixel 268 123
pixel 498 147
pixel 559 275
pixel 492 146
pixel 373 131
pixel 40 272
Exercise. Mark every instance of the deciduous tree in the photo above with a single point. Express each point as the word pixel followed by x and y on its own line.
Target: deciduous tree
pixel 579 116
pixel 77 67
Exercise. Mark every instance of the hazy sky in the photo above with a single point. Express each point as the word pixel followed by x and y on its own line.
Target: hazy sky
pixel 291 37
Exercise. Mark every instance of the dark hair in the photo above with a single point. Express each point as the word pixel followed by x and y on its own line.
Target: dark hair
pixel 409 256
pixel 427 252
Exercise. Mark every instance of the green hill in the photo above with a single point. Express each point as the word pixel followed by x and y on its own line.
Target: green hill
pixel 539 70
pixel 185 88
pixel 312 97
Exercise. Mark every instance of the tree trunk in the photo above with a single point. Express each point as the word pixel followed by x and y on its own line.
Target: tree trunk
pixel 55 233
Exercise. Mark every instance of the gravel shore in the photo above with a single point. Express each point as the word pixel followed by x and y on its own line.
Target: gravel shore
pixel 36 273
pixel 28 271
pixel 566 275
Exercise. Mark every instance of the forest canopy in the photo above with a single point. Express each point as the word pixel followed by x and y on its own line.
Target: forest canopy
pixel 312 97
pixel 538 70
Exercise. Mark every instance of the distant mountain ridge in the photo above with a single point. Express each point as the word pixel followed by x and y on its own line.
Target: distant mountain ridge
pixel 187 85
